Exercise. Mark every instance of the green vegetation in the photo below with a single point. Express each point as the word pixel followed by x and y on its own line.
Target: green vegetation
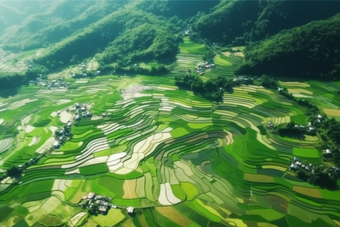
pixel 183 149
pixel 213 89
pixel 242 22
pixel 297 52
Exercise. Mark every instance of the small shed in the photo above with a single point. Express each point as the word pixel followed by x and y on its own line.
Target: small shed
pixel 56 145
pixel 102 209
pixel 90 195
pixel 130 210
pixel 293 166
pixel 327 153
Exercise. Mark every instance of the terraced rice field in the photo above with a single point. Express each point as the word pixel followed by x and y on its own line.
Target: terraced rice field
pixel 165 152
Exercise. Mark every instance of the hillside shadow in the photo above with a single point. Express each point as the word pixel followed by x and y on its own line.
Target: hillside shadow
pixel 229 90
pixel 168 60
pixel 292 134
pixel 8 92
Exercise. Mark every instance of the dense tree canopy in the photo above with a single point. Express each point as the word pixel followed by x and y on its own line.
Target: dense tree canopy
pixel 125 35
pixel 241 21
pixel 311 50
pixel 50 23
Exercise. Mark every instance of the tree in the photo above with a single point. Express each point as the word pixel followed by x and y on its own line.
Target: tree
pixel 36 70
pixel 94 209
pixel 302 174
pixel 14 171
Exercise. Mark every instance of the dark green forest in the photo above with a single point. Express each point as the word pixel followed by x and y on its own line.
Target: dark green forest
pixel 306 52
pixel 52 22
pixel 241 22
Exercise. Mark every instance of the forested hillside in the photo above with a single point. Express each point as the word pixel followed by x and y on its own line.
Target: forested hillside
pixel 176 8
pixel 14 12
pixel 308 51
pixel 240 22
pixel 123 36
pixel 59 20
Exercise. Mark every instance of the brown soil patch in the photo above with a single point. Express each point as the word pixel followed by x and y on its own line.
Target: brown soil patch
pixel 129 187
pixel 258 178
pixel 77 196
pixel 172 214
pixel 312 192
pixel 90 223
pixel 128 223
pixel 278 203
pixel 142 221
pixel 332 112
pixel 200 137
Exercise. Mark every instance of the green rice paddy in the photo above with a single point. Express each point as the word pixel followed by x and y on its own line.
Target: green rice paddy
pixel 164 151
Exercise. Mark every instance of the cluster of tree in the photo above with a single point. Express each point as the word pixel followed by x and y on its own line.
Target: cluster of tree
pixel 293 130
pixel 268 82
pixel 240 22
pixel 10 83
pixel 331 128
pixel 322 176
pixel 212 90
pixel 308 51
pixel 159 70
pixel 9 80
pixel 16 171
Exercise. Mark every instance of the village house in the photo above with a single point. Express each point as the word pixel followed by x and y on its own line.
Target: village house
pixel 56 145
pixel 270 124
pixel 293 166
pixel 103 209
pixel 91 195
pixel 327 153
pixel 130 210
pixel 311 129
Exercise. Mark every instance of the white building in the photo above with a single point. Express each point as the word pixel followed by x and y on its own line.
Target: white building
pixel 56 144
pixel 130 210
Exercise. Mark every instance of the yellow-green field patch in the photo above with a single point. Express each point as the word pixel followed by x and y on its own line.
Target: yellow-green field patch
pixel 312 192
pixel 332 112
pixel 299 91
pixel 190 190
pixel 258 178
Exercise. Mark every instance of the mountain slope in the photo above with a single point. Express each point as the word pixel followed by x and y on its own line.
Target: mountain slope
pixel 133 33
pixel 242 21
pixel 311 50
pixel 60 20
